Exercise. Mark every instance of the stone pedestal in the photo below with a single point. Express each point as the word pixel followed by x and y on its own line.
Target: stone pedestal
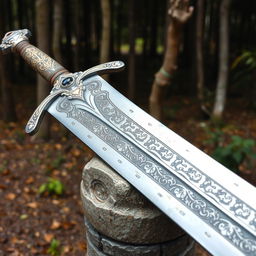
pixel 120 221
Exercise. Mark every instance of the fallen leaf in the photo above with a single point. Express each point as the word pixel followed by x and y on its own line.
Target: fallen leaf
pixel 66 249
pixel 76 152
pixel 48 237
pixel 58 146
pixel 56 202
pixel 5 172
pixel 2 186
pixel 29 180
pixel 55 224
pixel 66 209
pixel 81 245
pixel 26 189
pixel 13 252
pixel 10 196
pixel 37 234
pixel 68 224
pixel 33 205
pixel 34 251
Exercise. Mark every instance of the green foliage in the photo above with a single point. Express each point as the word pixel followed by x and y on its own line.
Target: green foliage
pixel 243 69
pixel 56 163
pixel 233 154
pixel 51 187
pixel 215 137
pixel 248 58
pixel 54 248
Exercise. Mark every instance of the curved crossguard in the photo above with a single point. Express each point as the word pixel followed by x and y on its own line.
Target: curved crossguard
pixel 64 82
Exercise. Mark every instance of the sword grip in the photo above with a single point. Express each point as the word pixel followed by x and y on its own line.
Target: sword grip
pixel 17 41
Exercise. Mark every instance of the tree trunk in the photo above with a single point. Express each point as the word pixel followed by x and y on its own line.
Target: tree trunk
pixel 153 29
pixel 76 27
pixel 57 28
pixel 42 29
pixel 200 11
pixel 106 30
pixel 7 101
pixel 68 61
pixel 8 106
pixel 164 75
pixel 220 98
pixel 131 68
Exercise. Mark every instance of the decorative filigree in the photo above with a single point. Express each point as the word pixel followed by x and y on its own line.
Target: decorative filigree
pixel 39 60
pixel 104 108
pixel 220 222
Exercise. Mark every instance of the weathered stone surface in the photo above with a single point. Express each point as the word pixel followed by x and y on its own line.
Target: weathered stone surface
pixel 99 245
pixel 92 235
pixel 92 250
pixel 111 247
pixel 118 211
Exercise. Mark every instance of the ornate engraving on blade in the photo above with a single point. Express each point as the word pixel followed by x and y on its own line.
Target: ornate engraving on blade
pixel 176 187
pixel 103 107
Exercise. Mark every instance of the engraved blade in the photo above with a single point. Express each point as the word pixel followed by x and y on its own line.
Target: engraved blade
pixel 211 203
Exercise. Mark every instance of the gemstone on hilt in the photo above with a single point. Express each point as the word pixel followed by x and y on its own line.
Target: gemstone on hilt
pixel 67 82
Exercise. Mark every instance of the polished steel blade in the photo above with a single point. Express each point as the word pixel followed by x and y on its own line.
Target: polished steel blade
pixel 211 203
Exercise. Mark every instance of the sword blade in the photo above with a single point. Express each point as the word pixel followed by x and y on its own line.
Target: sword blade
pixel 211 203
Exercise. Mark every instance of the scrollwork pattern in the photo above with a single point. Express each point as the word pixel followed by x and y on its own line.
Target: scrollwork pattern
pixel 39 59
pixel 220 222
pixel 99 103
pixel 171 159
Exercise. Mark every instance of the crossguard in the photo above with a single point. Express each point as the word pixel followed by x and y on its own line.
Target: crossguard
pixel 64 82
pixel 70 85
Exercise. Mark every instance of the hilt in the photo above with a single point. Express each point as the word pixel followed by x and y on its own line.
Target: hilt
pixel 64 83
pixel 18 41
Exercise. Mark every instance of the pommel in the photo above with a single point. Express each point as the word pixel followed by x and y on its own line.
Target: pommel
pixel 12 38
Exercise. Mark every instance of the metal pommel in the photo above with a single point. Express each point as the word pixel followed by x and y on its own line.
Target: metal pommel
pixel 12 38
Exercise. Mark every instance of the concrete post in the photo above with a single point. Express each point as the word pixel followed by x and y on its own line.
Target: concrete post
pixel 120 221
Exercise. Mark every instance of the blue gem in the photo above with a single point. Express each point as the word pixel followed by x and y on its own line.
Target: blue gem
pixel 67 81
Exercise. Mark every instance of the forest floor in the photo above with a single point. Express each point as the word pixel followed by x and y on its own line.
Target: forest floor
pixel 31 223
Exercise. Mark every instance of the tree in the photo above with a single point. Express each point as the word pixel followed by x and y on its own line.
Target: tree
pixel 200 11
pixel 221 89
pixel 8 106
pixel 57 24
pixel 106 32
pixel 42 31
pixel 131 68
pixel 180 12
pixel 76 33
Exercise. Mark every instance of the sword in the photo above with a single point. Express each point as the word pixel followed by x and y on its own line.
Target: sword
pixel 211 203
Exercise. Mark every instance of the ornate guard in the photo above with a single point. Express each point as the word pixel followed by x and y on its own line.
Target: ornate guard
pixel 64 83
pixel 182 181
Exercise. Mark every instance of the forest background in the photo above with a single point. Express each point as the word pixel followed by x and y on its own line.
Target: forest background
pixel 209 100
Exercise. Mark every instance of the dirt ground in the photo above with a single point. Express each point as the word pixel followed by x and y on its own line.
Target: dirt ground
pixel 29 221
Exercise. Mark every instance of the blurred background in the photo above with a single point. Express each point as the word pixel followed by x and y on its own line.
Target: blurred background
pixel 208 97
